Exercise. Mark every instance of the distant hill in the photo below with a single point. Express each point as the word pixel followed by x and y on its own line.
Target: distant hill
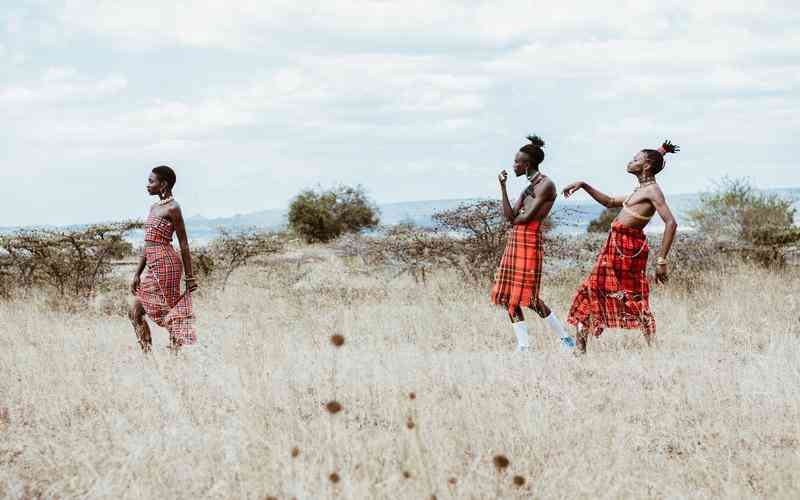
pixel 576 213
pixel 571 216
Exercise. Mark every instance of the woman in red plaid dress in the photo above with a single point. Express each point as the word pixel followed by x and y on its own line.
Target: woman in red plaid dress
pixel 519 275
pixel 617 294
pixel 159 296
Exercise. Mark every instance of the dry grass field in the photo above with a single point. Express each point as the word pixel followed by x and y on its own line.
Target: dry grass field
pixel 711 411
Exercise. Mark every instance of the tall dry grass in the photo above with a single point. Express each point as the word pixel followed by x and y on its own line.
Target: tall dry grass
pixel 713 410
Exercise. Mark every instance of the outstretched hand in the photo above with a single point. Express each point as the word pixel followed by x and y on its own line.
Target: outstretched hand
pixel 569 190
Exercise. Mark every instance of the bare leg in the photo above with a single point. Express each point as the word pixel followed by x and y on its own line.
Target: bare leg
pixel 582 340
pixel 541 309
pixel 174 345
pixel 517 316
pixel 140 326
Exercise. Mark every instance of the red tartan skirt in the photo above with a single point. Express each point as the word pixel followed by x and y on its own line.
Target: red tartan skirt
pixel 519 276
pixel 160 294
pixel 616 294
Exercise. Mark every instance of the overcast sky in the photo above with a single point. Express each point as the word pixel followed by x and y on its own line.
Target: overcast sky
pixel 251 101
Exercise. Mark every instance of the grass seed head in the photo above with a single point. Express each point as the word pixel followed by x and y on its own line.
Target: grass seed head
pixel 410 423
pixel 337 340
pixel 412 396
pixel 501 462
pixel 334 477
pixel 519 481
pixel 452 481
pixel 406 474
pixel 295 452
pixel 333 407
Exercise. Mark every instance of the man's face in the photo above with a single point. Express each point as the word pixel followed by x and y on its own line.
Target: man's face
pixel 521 163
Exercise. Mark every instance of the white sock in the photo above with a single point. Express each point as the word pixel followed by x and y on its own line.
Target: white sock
pixel 555 325
pixel 521 329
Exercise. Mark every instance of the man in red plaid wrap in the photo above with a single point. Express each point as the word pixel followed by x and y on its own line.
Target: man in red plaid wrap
pixel 617 293
pixel 159 296
pixel 519 275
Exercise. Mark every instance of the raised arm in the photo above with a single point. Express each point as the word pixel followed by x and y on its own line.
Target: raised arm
pixel 601 198
pixel 670 227
pixel 509 212
pixel 186 255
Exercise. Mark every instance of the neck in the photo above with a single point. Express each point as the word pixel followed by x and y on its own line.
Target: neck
pixel 646 179
pixel 531 173
pixel 165 195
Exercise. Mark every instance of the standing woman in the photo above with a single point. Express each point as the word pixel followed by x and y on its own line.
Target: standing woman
pixel 159 294
pixel 617 294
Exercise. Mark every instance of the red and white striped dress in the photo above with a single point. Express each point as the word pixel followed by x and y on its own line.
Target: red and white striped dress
pixel 160 290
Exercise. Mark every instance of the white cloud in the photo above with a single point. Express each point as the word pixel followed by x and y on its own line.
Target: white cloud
pixel 414 99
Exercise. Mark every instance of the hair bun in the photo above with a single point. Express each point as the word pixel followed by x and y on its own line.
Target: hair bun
pixel 668 147
pixel 536 141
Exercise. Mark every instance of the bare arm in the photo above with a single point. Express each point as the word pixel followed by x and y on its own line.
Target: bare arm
pixel 545 193
pixel 601 198
pixel 670 227
pixel 508 212
pixel 186 255
pixel 137 274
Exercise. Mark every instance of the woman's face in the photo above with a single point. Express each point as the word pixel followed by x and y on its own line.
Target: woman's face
pixel 637 164
pixel 154 185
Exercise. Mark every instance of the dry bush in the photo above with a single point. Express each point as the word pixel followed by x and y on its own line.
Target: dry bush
pixel 233 249
pixel 72 263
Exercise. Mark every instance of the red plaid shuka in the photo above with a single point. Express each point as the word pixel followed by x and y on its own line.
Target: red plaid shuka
pixel 616 294
pixel 519 276
pixel 160 294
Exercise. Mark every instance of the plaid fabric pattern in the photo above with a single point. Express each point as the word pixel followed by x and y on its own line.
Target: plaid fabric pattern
pixel 519 276
pixel 616 294
pixel 160 294
pixel 158 230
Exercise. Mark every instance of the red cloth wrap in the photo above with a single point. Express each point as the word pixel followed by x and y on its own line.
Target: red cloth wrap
pixel 519 276
pixel 616 294
pixel 160 294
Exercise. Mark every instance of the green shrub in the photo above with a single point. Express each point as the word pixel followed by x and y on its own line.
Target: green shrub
pixel 322 216
pixel 753 224
pixel 602 224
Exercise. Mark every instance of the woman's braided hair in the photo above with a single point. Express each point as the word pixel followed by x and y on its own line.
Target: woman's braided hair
pixel 655 157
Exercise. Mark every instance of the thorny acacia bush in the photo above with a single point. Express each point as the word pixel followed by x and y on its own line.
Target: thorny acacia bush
pixel 741 220
pixel 233 249
pixel 73 263
pixel 320 216
pixel 469 239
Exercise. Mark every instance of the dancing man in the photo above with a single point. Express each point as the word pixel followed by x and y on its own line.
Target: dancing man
pixel 617 294
pixel 159 294
pixel 519 276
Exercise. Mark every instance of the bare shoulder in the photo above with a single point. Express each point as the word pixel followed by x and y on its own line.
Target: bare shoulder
pixel 547 187
pixel 654 192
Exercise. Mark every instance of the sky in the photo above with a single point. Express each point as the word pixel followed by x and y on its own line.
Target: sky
pixel 252 101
